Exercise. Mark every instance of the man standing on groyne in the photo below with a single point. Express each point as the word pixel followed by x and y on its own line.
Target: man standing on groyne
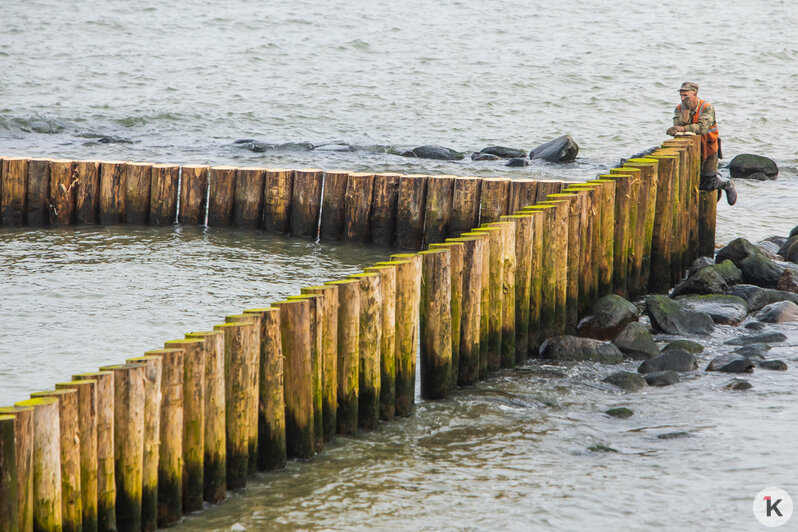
pixel 697 116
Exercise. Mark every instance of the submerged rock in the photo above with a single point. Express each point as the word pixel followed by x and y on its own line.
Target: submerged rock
pixel 669 317
pixel 723 309
pixel 504 152
pixel 758 297
pixel 574 348
pixel 560 150
pixel 432 151
pixel 662 378
pixel 479 156
pixel 601 448
pixel 756 351
pixel 713 279
pixel 610 315
pixel 517 163
pixel 765 338
pixel 779 312
pixel 777 365
pixel 731 364
pixel 669 360
pixel 739 385
pixel 621 413
pixel 684 345
pixel 673 435
pixel 627 381
pixel 744 165
pixel 635 342
pixel 755 326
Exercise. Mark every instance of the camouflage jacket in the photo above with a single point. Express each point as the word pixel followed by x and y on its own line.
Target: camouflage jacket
pixel 705 121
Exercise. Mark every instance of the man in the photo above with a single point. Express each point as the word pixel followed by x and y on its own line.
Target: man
pixel 696 116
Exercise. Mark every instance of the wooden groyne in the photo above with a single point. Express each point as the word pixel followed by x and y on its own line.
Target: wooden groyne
pixel 139 445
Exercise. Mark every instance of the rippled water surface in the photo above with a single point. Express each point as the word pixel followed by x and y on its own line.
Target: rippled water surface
pixel 344 85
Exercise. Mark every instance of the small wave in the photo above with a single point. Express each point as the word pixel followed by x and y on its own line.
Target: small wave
pixel 34 123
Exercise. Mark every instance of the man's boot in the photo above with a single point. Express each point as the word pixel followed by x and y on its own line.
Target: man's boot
pixel 728 186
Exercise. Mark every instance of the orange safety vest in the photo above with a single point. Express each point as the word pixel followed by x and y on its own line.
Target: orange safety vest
pixel 709 140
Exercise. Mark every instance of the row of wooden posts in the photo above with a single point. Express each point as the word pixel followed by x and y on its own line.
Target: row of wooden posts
pixel 138 445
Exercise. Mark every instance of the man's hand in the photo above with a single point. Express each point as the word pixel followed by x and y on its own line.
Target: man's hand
pixel 673 130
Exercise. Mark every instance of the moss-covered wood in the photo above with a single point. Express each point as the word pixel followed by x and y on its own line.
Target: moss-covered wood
pixel 495 281
pixel 575 214
pixel 438 208
pixel 659 279
pixel 13 191
pixel 679 211
pixel 648 199
pixel 707 206
pixel 384 208
pixel 248 203
pixel 523 225
pixel 306 203
pixel 278 194
pixel 348 356
pixel 370 338
pixel 456 252
pixel 87 192
pixel 484 301
pixel 623 231
pixel 408 297
pixel 23 469
pixel 469 309
pixel 332 205
pixel 357 207
pixel 387 273
pixel 9 491
pixel 193 194
pixel 436 324
pixel 465 205
pixel 508 293
pixel 546 306
pixel 410 211
pixel 587 265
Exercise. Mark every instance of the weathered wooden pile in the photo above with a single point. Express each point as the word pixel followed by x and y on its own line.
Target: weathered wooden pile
pixel 138 445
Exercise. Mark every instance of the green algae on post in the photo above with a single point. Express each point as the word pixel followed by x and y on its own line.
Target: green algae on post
pixel 348 354
pixel 408 297
pixel 436 324
pixel 370 337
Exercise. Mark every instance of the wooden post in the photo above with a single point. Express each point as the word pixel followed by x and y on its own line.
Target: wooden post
pixel 635 229
pixel 546 306
pixel 106 474
pixel 522 194
pixel 624 224
pixel 508 293
pixel 46 464
pixel 384 206
pixel 163 194
pixel 329 357
pixel 494 201
pixel 438 210
pixel 13 191
pixel 271 454
pixel 112 192
pixel 62 192
pixel 153 371
pixel 87 194
pixel 387 273
pixel 298 376
pixel 316 331
pixel 535 279
pixel 332 206
pixel 357 207
pixel 193 194
pixel 137 184
pixel 408 299
pixel 37 194
pixel 546 187
pixel 456 257
pixel 484 301
pixel 215 459
pixel 368 408
pixel 169 492
pixel 523 225
pixel 466 198
pixel 708 208
pixel 23 470
pixel 249 197
pixel 410 212
pixel 575 213
pixel 68 435
pixel 588 265
pixel 650 183
pixel 9 491
pixel 277 199
pixel 221 198
pixel 128 442
pixel 679 212
pixel 659 280
pixel 436 324
pixel 348 356
pixel 496 300
pixel 306 203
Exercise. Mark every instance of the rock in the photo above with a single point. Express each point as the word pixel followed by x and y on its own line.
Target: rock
pixel 777 365
pixel 755 351
pixel 714 279
pixel 517 163
pixel 673 435
pixel 758 297
pixel 610 315
pixel 778 312
pixel 669 317
pixel 635 342
pixel 333 147
pixel 669 360
pixel 503 152
pixel 789 250
pixel 622 412
pixel 627 381
pixel 731 364
pixel 113 139
pixel 700 263
pixel 759 176
pixel 736 250
pixel 684 345
pixel 478 156
pixel 744 165
pixel 739 385
pixel 770 246
pixel 766 338
pixel 560 150
pixel 601 448
pixel 761 271
pixel 662 378
pixel 755 326
pixel 638 155
pixel 794 231
pixel 575 348
pixel 723 309
pixel 788 282
pixel 432 151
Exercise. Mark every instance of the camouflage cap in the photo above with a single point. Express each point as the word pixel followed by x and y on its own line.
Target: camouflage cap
pixel 689 86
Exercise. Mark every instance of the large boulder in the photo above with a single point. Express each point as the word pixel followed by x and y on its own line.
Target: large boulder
pixel 758 297
pixel 778 312
pixel 723 309
pixel 503 152
pixel 684 345
pixel 662 378
pixel 714 279
pixel 764 338
pixel 731 364
pixel 675 360
pixel 670 317
pixel 736 250
pixel 432 151
pixel 635 342
pixel 577 349
pixel 560 150
pixel 745 164
pixel 759 270
pixel 610 315
pixel 627 381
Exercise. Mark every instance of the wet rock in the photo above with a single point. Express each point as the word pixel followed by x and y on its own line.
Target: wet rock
pixel 788 281
pixel 560 150
pixel 744 165
pixel 669 317
pixel 777 365
pixel 635 342
pixel 627 381
pixel 113 139
pixel 770 246
pixel 755 351
pixel 638 155
pixel 517 163
pixel 779 312
pixel 758 297
pixel 761 271
pixel 479 156
pixel 621 413
pixel 601 448
pixel 684 345
pixel 701 263
pixel 723 309
pixel 662 378
pixel 504 152
pixel 610 315
pixel 739 385
pixel 669 360
pixel 713 279
pixel 432 151
pixel 765 338
pixel 755 326
pixel 673 435
pixel 736 250
pixel 794 231
pixel 575 348
pixel 759 176
pixel 731 364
